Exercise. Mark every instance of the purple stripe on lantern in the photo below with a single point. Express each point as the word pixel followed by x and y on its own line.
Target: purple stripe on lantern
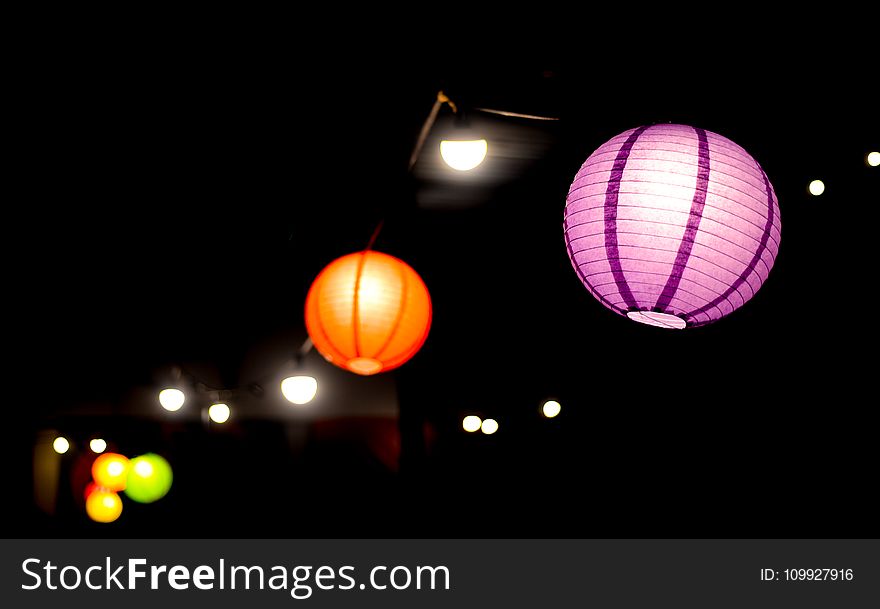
pixel 693 223
pixel 611 195
pixel 758 253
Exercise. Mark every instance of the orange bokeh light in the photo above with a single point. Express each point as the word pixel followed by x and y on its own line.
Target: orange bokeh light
pixel 103 505
pixel 110 471
pixel 368 312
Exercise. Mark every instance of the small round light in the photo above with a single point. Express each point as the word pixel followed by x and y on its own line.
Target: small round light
pixel 103 505
pixel 299 389
pixel 817 187
pixel 219 413
pixel 551 408
pixel 873 159
pixel 489 426
pixel 61 445
pixel 110 471
pixel 471 423
pixel 463 155
pixel 171 399
pixel 97 445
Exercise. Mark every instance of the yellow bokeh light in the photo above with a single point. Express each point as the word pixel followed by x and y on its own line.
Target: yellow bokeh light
pixel 873 159
pixel 219 413
pixel 489 426
pixel 97 445
pixel 817 187
pixel 463 155
pixel 61 445
pixel 471 423
pixel 103 506
pixel 551 408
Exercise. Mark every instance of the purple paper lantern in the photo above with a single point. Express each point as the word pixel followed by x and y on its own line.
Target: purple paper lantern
pixel 671 225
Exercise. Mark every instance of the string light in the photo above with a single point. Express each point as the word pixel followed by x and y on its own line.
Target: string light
pixel 471 423
pixel 171 399
pixel 299 389
pixel 551 408
pixel 817 187
pixel 873 159
pixel 61 445
pixel 97 445
pixel 489 426
pixel 219 413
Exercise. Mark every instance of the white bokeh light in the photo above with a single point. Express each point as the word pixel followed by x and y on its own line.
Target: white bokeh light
pixel 551 408
pixel 471 423
pixel 219 413
pixel 463 155
pixel 61 445
pixel 873 159
pixel 97 445
pixel 489 426
pixel 171 399
pixel 299 389
pixel 817 187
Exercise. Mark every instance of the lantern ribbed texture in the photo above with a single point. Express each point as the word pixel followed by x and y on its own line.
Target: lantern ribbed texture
pixel 671 225
pixel 368 312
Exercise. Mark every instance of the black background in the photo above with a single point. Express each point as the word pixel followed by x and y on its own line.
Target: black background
pixel 184 182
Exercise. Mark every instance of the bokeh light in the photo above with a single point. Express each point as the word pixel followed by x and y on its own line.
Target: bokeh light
pixel 873 159
pixel 97 445
pixel 489 426
pixel 299 389
pixel 103 505
pixel 471 423
pixel 149 478
pixel 817 187
pixel 551 408
pixel 110 471
pixel 463 155
pixel 219 413
pixel 61 445
pixel 171 399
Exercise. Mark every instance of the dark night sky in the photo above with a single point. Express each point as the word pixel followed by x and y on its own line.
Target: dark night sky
pixel 182 193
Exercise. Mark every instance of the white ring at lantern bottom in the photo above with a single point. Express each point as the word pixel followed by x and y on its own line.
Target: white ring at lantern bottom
pixel 660 320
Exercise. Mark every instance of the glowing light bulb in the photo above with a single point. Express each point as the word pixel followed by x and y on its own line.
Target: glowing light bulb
pixel 817 187
pixel 61 445
pixel 463 155
pixel 471 423
pixel 551 408
pixel 299 389
pixel 873 159
pixel 489 426
pixel 171 399
pixel 219 413
pixel 97 445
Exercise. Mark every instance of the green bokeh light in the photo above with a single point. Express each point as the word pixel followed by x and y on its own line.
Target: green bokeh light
pixel 149 478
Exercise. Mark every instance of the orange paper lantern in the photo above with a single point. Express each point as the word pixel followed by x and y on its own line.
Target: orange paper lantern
pixel 368 312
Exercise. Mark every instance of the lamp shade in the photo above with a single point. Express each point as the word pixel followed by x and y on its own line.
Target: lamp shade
pixel 671 225
pixel 368 312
